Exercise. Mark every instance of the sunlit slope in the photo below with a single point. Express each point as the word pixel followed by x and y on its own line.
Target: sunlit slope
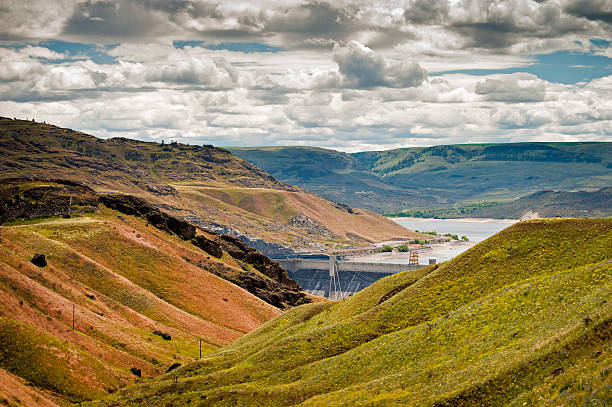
pixel 246 197
pixel 522 318
pixel 126 280
pixel 259 204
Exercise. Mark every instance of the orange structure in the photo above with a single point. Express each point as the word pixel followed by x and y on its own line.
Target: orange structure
pixel 414 258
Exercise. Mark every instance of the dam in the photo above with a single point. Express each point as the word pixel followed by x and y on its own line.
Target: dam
pixel 337 279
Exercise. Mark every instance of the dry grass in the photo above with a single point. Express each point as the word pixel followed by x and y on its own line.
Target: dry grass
pixel 125 280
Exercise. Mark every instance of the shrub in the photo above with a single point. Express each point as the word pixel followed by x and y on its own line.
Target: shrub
pixel 403 248
pixel 386 249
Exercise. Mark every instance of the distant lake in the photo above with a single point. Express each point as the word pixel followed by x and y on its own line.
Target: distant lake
pixel 476 230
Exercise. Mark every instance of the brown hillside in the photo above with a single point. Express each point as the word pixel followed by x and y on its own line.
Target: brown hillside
pixel 207 184
pixel 129 281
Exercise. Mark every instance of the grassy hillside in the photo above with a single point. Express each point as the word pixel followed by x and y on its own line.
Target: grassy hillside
pixel 470 173
pixel 523 318
pixel 548 204
pixel 141 293
pixel 440 176
pixel 334 175
pixel 208 185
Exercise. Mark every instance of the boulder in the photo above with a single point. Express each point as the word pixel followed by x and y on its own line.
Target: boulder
pixel 39 260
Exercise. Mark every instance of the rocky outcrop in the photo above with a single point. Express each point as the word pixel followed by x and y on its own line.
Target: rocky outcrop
pixel 132 205
pixel 268 267
pixel 270 249
pixel 273 285
pixel 310 225
pixel 271 291
pixel 209 246
pixel 35 197
pixel 39 260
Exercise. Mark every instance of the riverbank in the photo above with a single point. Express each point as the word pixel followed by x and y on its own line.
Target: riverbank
pixel 439 251
pixel 440 248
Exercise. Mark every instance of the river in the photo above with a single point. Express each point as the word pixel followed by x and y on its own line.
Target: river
pixel 476 230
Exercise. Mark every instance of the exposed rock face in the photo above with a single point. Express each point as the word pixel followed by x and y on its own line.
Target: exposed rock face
pixel 165 336
pixel 310 225
pixel 278 289
pixel 173 366
pixel 19 198
pixel 132 205
pixel 237 249
pixel 209 246
pixel 39 260
pixel 271 291
pixel 273 250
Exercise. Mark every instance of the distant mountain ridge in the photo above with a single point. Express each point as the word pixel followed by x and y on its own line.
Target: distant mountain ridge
pixel 439 176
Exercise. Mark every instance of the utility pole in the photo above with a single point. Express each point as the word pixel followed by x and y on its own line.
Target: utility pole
pixel 73 317
pixel 200 348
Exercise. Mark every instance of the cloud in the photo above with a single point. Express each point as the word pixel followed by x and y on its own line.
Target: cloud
pixel 518 87
pixel 427 11
pixel 364 68
pixel 598 10
pixel 347 74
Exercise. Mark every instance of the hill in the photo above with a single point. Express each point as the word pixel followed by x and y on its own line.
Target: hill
pixel 334 175
pixel 550 204
pixel 122 286
pixel 206 185
pixel 523 318
pixel 440 176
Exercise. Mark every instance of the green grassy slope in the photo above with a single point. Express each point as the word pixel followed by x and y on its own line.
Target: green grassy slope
pixel 442 176
pixel 332 174
pixel 522 318
pixel 549 204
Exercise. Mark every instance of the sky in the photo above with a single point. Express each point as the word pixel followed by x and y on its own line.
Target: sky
pixel 347 75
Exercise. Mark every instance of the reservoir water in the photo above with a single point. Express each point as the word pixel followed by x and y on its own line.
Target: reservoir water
pixel 476 230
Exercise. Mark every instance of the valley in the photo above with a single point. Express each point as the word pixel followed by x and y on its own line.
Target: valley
pixel 522 318
pixel 139 273
pixel 467 180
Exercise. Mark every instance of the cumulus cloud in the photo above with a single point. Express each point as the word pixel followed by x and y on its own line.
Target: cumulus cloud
pixel 364 68
pixel 598 10
pixel 311 24
pixel 518 87
pixel 347 74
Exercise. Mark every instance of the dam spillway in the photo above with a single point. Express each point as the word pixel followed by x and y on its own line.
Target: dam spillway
pixel 331 278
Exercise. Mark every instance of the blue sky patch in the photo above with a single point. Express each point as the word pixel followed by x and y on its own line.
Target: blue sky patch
pixel 183 44
pixel 565 67
pixel 246 47
pixel 97 53
pixel 74 51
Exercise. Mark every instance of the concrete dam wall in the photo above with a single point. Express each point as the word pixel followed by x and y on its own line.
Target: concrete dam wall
pixel 338 279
